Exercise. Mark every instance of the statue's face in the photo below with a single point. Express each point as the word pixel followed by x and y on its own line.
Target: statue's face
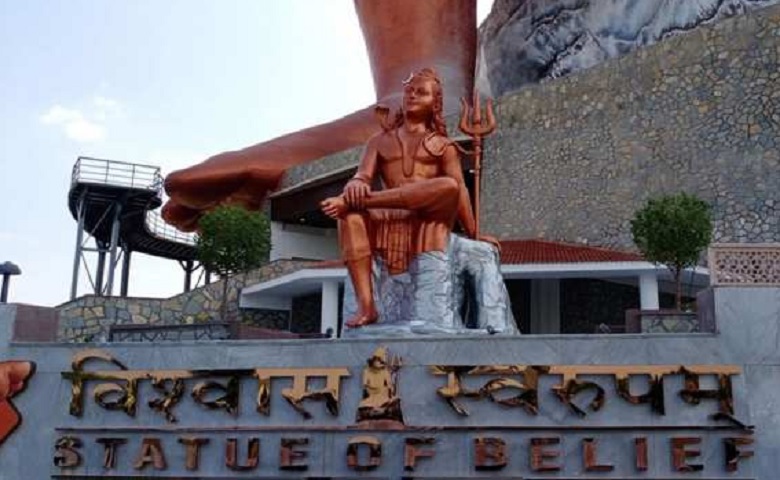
pixel 419 96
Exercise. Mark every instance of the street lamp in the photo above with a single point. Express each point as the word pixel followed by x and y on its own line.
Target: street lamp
pixel 6 270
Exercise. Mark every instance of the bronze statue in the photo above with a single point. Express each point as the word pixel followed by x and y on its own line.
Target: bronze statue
pixel 380 400
pixel 400 36
pixel 423 193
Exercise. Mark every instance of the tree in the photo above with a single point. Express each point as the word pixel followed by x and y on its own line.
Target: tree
pixel 673 230
pixel 232 240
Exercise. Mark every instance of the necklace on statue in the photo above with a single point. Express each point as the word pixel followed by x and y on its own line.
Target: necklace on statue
pixel 407 162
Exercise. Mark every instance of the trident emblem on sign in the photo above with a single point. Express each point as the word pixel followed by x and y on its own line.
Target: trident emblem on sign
pixel 473 124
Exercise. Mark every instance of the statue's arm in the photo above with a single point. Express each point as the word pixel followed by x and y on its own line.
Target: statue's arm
pixel 359 186
pixel 367 167
pixel 452 169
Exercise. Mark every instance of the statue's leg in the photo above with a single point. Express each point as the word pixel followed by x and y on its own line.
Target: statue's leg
pixel 356 251
pixel 435 198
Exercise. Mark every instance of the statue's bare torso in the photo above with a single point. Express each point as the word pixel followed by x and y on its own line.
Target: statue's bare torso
pixel 401 161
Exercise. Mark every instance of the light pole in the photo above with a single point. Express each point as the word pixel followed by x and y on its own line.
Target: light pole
pixel 6 270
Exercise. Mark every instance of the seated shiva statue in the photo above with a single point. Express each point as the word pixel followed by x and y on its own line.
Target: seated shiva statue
pixel 422 196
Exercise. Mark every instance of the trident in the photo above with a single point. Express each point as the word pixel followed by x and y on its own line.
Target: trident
pixel 477 128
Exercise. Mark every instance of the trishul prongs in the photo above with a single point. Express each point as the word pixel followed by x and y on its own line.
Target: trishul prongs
pixel 473 124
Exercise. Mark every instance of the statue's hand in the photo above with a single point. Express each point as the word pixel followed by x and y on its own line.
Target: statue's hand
pixel 492 240
pixel 334 207
pixel 355 193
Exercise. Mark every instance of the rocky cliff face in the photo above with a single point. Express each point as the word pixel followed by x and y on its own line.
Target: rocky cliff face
pixel 525 41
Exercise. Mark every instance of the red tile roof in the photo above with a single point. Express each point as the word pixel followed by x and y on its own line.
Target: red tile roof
pixel 534 251
pixel 515 252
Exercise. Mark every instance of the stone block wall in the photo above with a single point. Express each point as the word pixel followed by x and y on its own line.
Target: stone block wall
pixel 88 318
pixel 577 156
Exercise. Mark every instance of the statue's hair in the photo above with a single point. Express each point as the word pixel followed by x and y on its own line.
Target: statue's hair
pixel 436 122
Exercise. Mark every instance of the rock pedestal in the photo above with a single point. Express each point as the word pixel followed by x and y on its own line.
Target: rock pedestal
pixel 438 286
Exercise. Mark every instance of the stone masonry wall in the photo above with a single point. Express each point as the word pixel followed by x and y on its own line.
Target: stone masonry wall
pixel 576 157
pixel 88 318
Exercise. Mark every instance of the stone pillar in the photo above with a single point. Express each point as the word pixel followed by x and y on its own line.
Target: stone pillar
pixel 546 305
pixel 329 310
pixel 648 291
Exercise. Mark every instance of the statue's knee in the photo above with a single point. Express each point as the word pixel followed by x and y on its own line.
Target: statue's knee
pixel 447 186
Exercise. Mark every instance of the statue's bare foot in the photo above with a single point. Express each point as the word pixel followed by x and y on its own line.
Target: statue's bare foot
pixel 361 320
pixel 334 207
pixel 245 177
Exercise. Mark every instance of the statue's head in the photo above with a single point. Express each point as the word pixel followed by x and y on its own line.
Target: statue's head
pixel 422 93
pixel 423 96
pixel 379 358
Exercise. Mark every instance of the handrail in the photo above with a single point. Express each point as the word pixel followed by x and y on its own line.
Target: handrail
pixel 159 228
pixel 130 175
pixel 117 173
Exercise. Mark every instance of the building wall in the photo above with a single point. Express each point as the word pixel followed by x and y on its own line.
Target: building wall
pixel 576 157
pixel 293 241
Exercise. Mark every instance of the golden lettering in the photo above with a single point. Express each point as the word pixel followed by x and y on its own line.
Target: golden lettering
pixel 300 391
pixel 570 387
pixel 489 453
pixel 640 452
pixel 733 452
pixel 288 455
pixel 110 447
pixel 252 455
pixel 111 395
pixel 680 454
pixel 693 394
pixel 374 447
pixel 590 457
pixel 151 452
pixel 539 454
pixel 527 396
pixel 192 451
pixel 655 389
pixel 412 451
pixel 66 452
pixel 228 401
pixel 171 396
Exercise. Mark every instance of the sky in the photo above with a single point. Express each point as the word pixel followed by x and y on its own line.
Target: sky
pixel 159 82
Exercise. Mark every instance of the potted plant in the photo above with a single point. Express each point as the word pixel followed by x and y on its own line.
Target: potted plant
pixel 673 230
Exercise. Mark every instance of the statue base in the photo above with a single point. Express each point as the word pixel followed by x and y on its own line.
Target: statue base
pixel 460 291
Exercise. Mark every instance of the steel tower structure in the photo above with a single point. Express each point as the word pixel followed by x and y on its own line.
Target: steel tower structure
pixel 114 205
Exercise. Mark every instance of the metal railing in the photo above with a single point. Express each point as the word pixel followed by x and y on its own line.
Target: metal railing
pixel 130 175
pixel 160 229
pixel 748 264
pixel 116 173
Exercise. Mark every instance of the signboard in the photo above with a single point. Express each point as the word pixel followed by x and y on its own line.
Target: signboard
pixel 390 419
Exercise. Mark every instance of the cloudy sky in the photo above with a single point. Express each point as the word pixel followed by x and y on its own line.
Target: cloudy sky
pixel 161 82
